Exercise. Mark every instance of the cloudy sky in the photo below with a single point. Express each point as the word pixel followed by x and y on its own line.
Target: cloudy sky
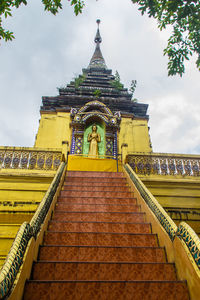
pixel 50 50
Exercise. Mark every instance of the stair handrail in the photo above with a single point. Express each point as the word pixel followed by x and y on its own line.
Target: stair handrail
pixel 14 259
pixel 44 205
pixel 191 239
pixel 162 216
pixel 184 232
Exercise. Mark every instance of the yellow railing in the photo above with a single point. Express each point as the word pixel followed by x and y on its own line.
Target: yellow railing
pixel 164 164
pixel 30 158
pixel 14 259
pixel 162 216
pixel 191 239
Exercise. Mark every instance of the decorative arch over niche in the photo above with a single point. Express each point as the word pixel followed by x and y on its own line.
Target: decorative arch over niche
pixel 107 125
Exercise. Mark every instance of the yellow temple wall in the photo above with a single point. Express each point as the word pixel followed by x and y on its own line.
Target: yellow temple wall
pixel 20 193
pixel 54 128
pixel 177 193
pixel 135 133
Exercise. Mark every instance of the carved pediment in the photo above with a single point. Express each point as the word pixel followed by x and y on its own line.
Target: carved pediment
pixel 95 109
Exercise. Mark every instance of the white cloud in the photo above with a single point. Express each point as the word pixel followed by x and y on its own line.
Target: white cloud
pixel 49 50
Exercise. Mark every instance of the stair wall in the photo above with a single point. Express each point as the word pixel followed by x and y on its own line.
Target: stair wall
pixel 177 251
pixel 31 253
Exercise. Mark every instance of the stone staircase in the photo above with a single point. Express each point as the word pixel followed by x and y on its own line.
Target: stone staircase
pixel 98 246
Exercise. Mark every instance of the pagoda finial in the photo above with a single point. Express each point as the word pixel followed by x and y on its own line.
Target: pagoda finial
pixel 97 58
pixel 97 38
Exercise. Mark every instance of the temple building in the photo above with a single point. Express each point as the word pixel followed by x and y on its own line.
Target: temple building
pixel 91 212
pixel 94 96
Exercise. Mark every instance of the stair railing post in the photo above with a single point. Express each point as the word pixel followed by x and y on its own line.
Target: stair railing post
pixel 124 151
pixel 117 163
pixel 65 149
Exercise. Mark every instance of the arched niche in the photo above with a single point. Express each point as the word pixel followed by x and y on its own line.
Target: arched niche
pixel 107 123
pixel 101 130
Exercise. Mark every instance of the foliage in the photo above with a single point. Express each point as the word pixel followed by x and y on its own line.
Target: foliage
pixel 134 100
pixel 79 80
pixel 116 82
pixel 97 93
pixel 132 89
pixel 53 6
pixel 133 86
pixel 184 17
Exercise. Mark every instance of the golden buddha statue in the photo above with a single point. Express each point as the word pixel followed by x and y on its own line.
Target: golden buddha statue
pixel 94 138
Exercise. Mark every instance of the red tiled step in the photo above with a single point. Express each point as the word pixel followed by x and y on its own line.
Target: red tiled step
pixel 97 207
pixel 98 247
pixel 119 183
pixel 102 271
pixel 99 227
pixel 100 239
pixel 94 180
pixel 97 200
pixel 102 254
pixel 95 194
pixel 109 290
pixel 94 174
pixel 92 188
pixel 99 217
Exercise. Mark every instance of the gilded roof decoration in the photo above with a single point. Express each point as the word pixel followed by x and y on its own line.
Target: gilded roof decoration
pixel 95 109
